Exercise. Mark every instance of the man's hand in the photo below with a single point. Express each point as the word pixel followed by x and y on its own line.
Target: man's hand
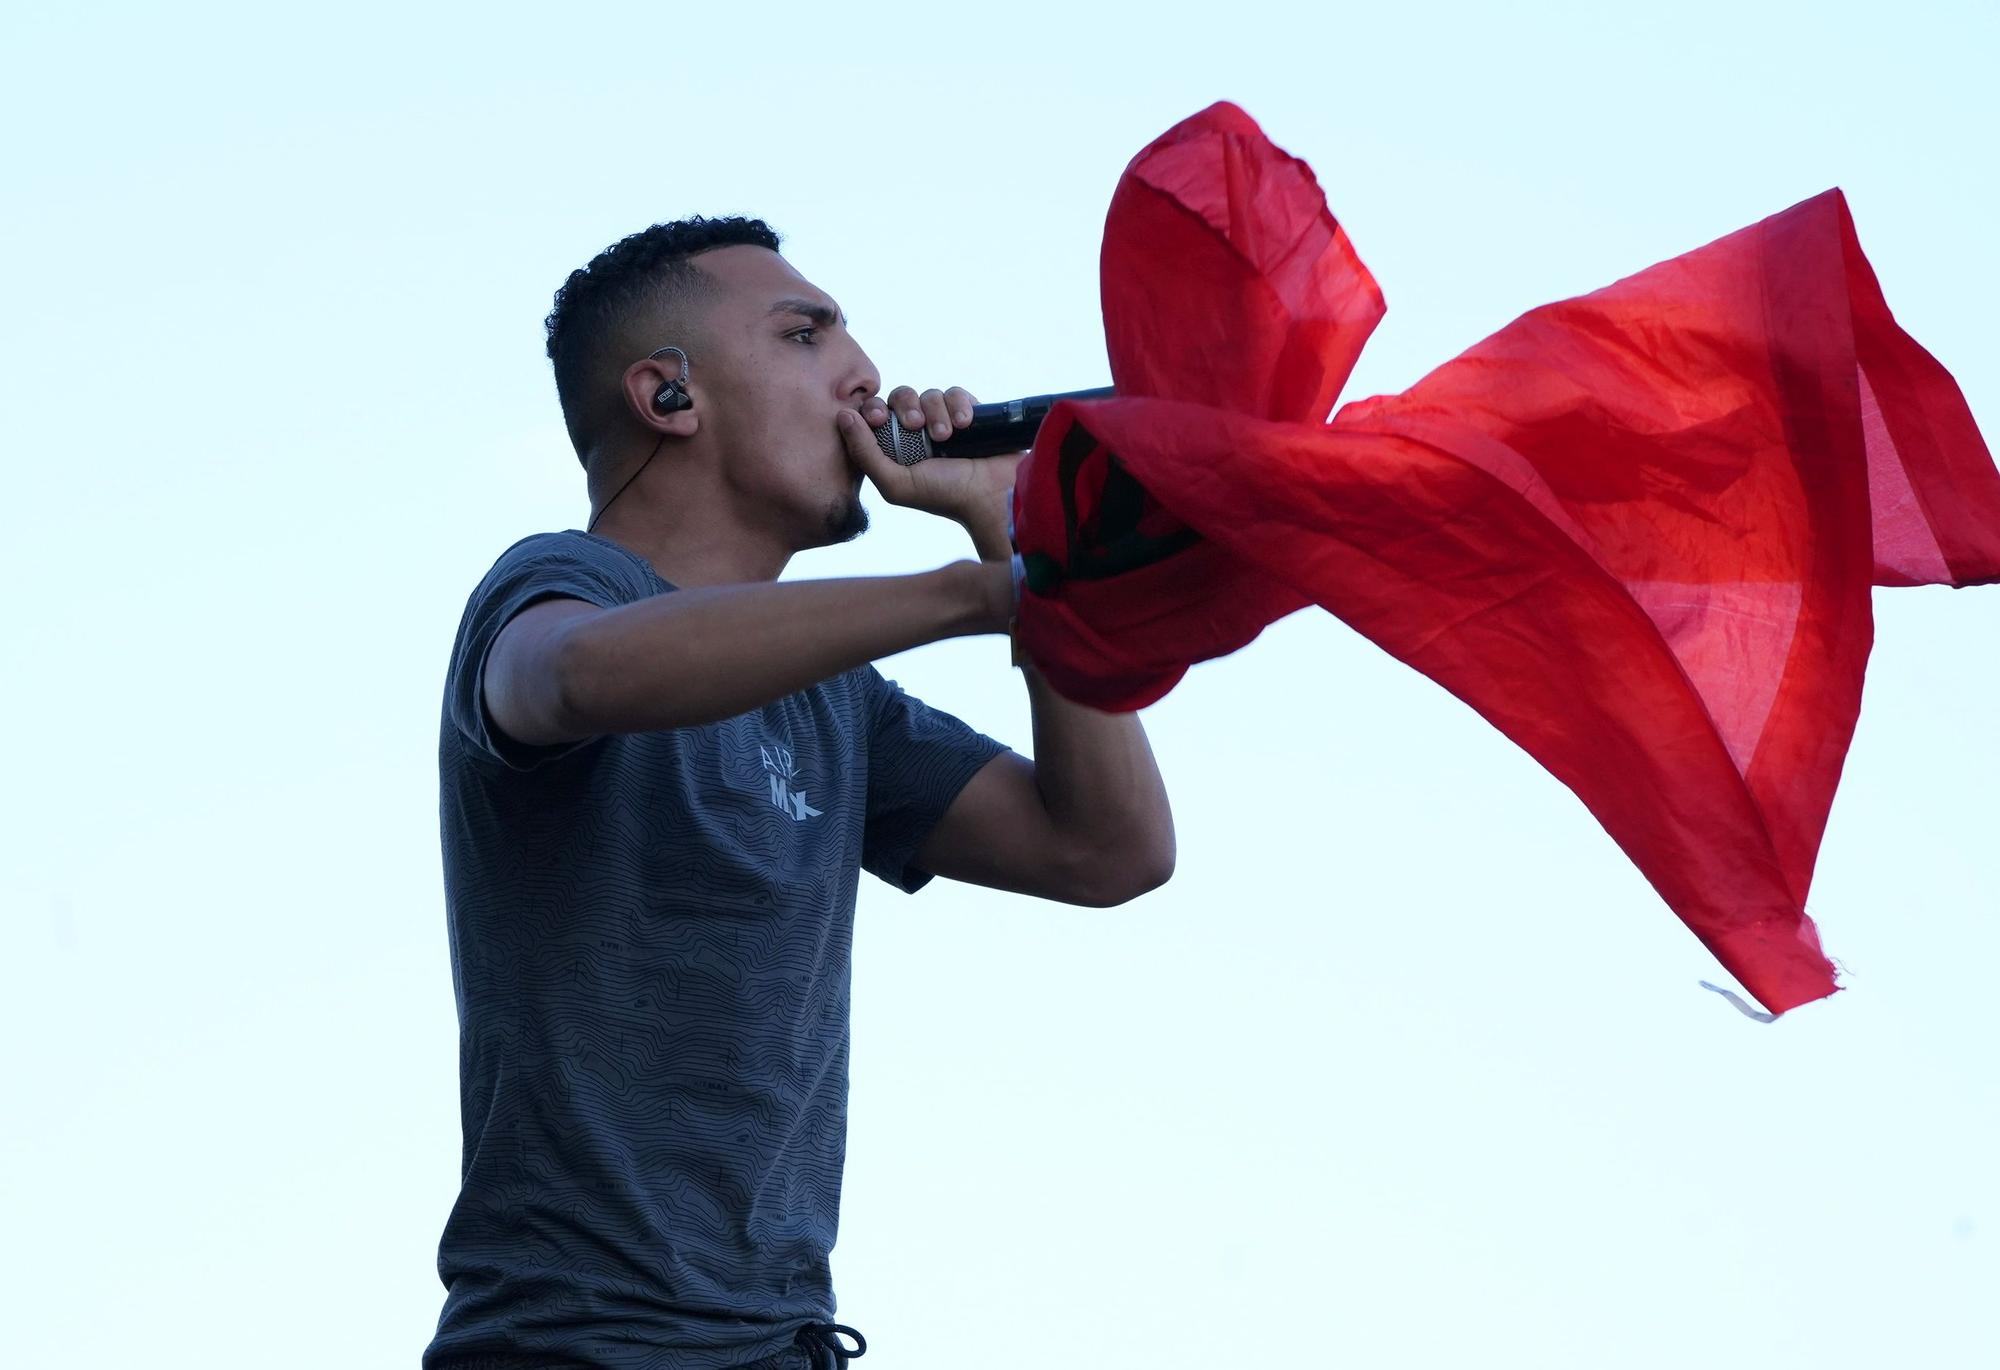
pixel 971 491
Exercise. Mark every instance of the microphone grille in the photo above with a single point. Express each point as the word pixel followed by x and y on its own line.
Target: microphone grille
pixel 899 444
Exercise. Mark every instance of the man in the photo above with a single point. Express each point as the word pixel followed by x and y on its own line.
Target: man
pixel 660 775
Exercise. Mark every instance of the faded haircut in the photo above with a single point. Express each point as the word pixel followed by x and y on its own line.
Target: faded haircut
pixel 646 274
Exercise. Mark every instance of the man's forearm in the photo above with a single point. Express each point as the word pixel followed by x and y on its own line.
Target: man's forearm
pixel 1099 782
pixel 690 657
pixel 1095 770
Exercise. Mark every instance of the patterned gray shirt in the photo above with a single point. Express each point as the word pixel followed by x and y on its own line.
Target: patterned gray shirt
pixel 649 940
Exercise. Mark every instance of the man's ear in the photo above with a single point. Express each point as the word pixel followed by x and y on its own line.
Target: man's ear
pixel 642 381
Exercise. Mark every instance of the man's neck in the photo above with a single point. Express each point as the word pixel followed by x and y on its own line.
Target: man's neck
pixel 688 559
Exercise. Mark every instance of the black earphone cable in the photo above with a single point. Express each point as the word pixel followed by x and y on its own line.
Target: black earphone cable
pixel 670 399
pixel 628 481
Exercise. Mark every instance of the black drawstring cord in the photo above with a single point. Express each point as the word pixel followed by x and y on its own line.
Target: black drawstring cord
pixel 825 1336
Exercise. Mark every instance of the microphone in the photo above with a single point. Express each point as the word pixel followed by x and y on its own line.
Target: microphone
pixel 1007 426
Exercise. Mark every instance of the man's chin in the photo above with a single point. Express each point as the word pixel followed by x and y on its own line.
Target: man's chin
pixel 846 520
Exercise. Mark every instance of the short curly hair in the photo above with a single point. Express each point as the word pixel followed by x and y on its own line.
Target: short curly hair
pixel 645 270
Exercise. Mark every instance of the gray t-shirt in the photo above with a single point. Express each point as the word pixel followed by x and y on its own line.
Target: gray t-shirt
pixel 649 949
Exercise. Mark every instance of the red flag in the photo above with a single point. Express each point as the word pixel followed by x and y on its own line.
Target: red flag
pixel 1636 530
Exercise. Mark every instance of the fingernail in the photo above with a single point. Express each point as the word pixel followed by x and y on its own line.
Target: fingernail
pixel 914 417
pixel 940 429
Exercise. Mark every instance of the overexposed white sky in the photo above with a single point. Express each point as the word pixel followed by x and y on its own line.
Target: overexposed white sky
pixel 1407 1067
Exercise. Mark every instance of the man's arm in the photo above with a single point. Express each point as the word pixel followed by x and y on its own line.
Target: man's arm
pixel 695 656
pixel 1085 822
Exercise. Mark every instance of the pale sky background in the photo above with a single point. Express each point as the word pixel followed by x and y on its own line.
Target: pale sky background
pixel 1407 1066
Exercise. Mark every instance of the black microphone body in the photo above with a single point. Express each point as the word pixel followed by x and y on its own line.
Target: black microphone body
pixel 1008 426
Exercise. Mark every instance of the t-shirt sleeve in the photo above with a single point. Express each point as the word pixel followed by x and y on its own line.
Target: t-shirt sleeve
pixel 919 758
pixel 517 580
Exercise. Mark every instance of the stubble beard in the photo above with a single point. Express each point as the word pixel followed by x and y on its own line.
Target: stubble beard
pixel 846 519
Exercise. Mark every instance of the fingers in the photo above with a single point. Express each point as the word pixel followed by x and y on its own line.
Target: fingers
pixel 938 412
pixel 948 410
pixel 904 401
pixel 862 448
pixel 959 401
pixel 936 417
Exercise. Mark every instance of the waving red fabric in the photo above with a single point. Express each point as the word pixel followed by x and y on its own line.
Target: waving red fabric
pixel 1635 530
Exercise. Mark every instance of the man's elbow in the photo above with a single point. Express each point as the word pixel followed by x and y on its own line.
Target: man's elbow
pixel 1125 876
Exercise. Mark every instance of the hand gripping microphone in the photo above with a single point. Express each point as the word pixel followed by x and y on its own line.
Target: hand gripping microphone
pixel 995 429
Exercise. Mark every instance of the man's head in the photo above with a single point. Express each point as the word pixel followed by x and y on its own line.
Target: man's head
pixel 770 362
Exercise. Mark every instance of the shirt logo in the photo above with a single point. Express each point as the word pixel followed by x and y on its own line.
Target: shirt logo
pixel 783 773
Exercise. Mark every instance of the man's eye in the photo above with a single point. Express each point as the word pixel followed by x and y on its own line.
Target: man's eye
pixel 796 331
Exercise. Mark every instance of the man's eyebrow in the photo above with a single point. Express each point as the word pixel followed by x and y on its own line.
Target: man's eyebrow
pixel 809 309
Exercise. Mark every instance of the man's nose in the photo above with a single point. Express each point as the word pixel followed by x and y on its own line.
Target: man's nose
pixel 866 380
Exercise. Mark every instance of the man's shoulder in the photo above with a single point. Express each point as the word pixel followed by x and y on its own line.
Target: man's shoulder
pixel 569 542
pixel 603 560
